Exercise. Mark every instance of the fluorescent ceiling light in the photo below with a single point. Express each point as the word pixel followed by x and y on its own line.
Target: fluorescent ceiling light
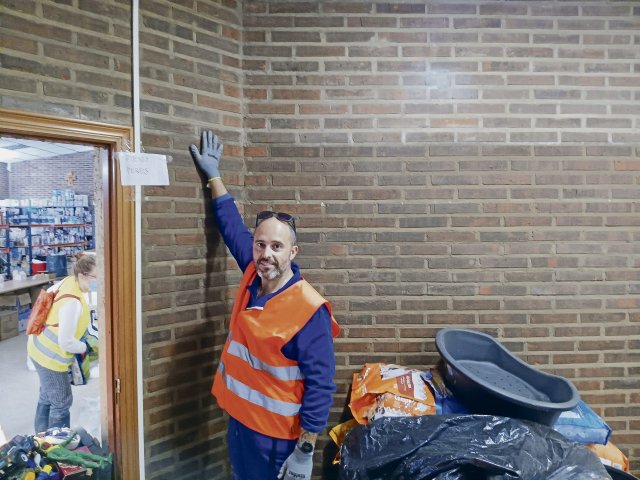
pixel 20 149
pixel 8 155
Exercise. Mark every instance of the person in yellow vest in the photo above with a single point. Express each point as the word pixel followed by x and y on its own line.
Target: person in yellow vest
pixel 52 351
pixel 275 376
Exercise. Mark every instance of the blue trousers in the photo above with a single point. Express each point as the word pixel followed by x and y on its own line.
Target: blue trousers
pixel 255 456
pixel 54 401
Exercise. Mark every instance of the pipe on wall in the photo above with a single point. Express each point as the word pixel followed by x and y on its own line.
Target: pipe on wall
pixel 135 67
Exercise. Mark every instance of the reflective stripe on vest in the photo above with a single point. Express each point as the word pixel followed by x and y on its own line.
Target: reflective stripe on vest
pixel 281 373
pixel 49 335
pixel 44 349
pixel 250 395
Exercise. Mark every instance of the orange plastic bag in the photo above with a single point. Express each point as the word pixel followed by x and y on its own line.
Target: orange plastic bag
pixel 37 320
pixel 610 455
pixel 39 311
pixel 381 390
pixel 392 405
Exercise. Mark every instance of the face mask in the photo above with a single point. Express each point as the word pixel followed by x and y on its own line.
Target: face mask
pixel 93 285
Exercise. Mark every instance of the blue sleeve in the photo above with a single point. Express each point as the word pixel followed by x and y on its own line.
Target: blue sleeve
pixel 312 348
pixel 236 236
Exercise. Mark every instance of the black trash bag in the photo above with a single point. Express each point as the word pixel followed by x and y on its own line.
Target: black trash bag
pixel 464 447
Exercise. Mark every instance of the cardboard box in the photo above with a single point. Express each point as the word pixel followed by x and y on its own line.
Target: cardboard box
pixel 24 300
pixel 23 306
pixel 8 301
pixel 8 324
pixel 18 304
pixel 11 301
pixel 22 323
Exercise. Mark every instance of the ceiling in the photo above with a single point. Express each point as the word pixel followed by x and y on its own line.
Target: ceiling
pixel 20 149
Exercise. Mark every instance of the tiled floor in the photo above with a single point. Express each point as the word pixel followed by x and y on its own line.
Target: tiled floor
pixel 19 393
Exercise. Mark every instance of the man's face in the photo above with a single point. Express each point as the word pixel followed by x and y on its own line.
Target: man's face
pixel 272 249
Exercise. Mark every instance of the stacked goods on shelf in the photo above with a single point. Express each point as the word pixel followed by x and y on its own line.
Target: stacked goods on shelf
pixel 37 229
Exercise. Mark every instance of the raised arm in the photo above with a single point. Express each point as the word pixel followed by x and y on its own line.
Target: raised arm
pixel 208 161
pixel 235 234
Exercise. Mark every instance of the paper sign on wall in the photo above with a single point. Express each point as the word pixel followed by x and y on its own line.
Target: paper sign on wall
pixel 143 169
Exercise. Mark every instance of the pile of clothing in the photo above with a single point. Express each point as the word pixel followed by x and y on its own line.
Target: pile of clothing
pixel 57 454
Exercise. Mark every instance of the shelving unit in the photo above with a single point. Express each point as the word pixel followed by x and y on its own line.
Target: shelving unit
pixel 5 251
pixel 39 230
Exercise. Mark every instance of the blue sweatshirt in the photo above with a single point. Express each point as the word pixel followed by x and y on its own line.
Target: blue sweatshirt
pixel 312 346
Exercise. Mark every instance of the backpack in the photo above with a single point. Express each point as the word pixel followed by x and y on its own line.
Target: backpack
pixel 37 320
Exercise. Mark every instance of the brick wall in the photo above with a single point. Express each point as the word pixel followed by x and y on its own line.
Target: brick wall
pixel 69 59
pixel 469 164
pixel 453 163
pixel 73 59
pixel 37 178
pixel 4 181
pixel 191 79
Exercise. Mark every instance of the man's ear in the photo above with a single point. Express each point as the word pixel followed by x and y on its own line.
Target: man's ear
pixel 294 252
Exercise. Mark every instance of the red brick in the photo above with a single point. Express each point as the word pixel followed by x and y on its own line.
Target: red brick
pixel 387 226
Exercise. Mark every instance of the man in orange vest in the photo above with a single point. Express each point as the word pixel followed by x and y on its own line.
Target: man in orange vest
pixel 275 376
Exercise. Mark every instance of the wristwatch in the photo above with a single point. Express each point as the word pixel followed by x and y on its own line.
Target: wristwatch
pixel 306 447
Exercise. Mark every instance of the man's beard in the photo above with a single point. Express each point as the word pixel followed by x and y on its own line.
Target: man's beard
pixel 272 274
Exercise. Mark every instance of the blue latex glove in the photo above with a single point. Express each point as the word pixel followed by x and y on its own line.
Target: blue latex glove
pixel 208 157
pixel 297 466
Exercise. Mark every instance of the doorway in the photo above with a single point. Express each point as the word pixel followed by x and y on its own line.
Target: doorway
pixel 114 240
pixel 50 214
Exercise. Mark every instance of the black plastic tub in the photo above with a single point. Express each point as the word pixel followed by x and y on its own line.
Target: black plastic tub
pixel 617 474
pixel 489 379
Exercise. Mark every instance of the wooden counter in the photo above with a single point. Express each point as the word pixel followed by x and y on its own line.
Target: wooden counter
pixel 9 286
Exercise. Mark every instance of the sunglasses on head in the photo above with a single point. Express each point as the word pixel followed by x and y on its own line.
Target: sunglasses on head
pixel 283 217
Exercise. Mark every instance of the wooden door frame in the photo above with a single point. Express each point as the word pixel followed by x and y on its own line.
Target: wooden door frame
pixel 119 275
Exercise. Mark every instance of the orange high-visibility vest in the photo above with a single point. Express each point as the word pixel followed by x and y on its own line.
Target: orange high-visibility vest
pixel 255 383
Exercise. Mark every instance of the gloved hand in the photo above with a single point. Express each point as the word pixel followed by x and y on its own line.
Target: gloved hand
pixel 88 345
pixel 297 466
pixel 81 356
pixel 208 158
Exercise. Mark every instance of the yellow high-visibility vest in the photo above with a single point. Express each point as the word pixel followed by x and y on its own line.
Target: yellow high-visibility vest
pixel 44 349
